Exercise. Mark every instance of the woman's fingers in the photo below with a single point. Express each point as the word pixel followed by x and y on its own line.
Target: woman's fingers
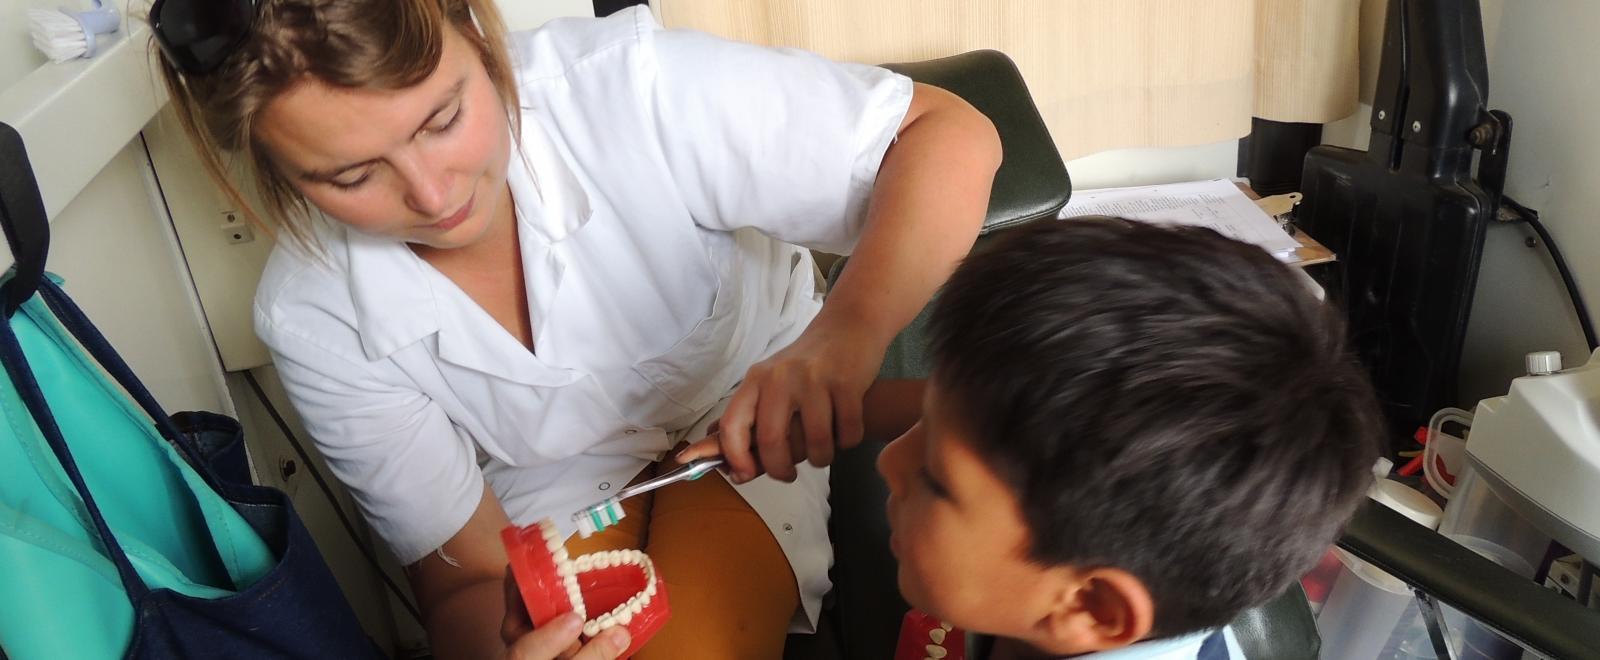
pixel 550 641
pixel 711 445
pixel 606 646
pixel 516 622
pixel 734 431
pixel 847 418
pixel 781 415
pixel 816 418
pixel 773 415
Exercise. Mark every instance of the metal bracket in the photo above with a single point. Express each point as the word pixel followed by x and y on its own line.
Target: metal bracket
pixel 1434 618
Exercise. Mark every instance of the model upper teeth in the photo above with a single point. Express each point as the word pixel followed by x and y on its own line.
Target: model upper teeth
pixel 569 567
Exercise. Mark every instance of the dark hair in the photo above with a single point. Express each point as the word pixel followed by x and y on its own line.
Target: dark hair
pixel 1165 400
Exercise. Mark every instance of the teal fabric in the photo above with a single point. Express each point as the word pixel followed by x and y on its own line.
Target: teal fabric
pixel 60 596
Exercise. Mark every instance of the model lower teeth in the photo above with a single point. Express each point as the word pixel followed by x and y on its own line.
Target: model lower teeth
pixel 569 568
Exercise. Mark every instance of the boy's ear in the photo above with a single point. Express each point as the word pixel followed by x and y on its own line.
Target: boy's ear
pixel 1102 609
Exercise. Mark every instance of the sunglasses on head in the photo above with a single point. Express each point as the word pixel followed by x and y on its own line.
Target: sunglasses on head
pixel 197 35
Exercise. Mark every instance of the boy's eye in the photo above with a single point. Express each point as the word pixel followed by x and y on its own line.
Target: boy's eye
pixel 933 484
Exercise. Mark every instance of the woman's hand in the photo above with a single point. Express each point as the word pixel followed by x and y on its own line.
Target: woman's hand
pixel 557 639
pixel 803 403
pixel 928 201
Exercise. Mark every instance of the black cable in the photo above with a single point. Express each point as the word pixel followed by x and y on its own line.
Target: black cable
pixel 1578 306
pixel 333 501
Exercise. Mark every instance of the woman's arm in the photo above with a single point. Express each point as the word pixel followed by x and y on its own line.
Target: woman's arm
pixel 462 606
pixel 926 207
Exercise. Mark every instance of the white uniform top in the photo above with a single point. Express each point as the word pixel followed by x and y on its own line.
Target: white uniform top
pixel 663 179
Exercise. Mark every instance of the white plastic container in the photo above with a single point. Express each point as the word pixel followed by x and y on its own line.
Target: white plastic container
pixel 1477 511
pixel 1472 640
pixel 1366 604
pixel 1480 519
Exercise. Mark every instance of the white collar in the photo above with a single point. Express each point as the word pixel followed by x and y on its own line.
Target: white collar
pixel 1182 647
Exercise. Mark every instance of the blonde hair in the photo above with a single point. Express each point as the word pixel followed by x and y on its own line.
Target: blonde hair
pixel 377 44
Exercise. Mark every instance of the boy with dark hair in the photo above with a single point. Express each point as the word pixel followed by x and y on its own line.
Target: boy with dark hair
pixel 1131 434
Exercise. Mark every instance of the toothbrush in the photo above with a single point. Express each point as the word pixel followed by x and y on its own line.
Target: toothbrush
pixel 607 513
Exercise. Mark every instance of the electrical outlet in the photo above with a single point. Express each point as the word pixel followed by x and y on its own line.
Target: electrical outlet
pixel 235 229
pixel 238 233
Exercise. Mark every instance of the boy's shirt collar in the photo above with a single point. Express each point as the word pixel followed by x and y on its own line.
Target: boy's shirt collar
pixel 1202 645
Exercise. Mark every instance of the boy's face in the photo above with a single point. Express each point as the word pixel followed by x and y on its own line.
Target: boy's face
pixel 959 534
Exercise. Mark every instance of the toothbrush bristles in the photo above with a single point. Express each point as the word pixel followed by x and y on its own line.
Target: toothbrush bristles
pixel 598 517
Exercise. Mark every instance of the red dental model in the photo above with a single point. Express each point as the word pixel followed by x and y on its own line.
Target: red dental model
pixel 608 588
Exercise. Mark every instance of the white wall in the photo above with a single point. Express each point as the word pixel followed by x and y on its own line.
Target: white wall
pixel 528 14
pixel 114 247
pixel 1145 166
pixel 1542 72
pixel 18 57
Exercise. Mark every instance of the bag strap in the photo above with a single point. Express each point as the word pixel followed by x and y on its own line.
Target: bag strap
pixel 22 220
pixel 16 367
pixel 88 336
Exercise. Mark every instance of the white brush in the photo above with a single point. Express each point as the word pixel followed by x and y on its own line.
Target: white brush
pixel 64 35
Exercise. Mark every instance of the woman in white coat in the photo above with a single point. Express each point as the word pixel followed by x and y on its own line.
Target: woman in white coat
pixel 544 261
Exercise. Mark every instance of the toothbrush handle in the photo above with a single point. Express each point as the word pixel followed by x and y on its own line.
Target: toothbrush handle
pixel 691 470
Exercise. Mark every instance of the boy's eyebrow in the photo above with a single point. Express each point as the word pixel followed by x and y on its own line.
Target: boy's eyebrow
pixel 333 172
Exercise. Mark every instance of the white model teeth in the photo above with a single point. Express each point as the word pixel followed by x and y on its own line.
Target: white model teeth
pixel 568 568
pixel 564 567
pixel 936 650
pixel 622 614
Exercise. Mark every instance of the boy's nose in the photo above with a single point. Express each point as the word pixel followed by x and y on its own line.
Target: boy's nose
pixel 886 464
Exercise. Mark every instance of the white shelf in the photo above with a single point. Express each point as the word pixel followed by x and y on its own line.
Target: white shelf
pixel 76 116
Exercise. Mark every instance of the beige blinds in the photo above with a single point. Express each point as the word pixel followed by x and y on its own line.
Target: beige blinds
pixel 1105 73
